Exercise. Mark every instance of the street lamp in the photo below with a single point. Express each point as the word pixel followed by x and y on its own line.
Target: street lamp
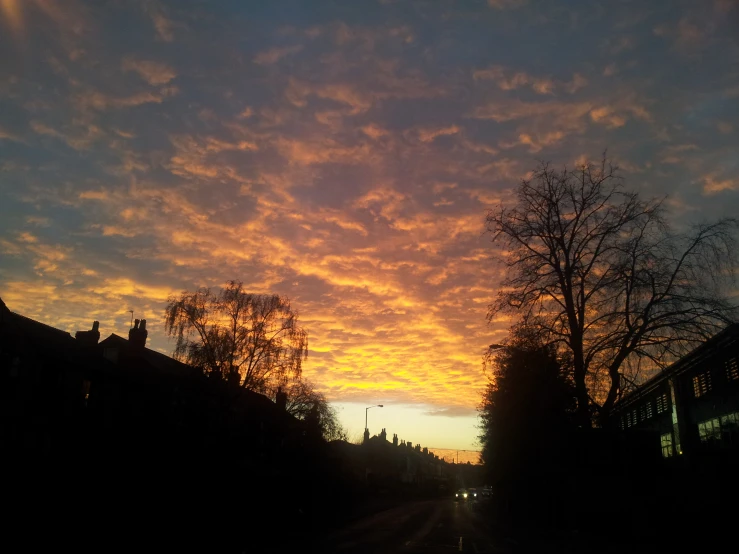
pixel 365 414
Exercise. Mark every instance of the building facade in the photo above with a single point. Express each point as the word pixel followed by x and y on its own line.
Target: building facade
pixel 691 408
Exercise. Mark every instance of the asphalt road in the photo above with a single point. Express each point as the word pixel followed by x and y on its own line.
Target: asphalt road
pixel 428 527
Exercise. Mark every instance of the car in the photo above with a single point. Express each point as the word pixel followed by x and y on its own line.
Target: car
pixel 473 493
pixel 461 495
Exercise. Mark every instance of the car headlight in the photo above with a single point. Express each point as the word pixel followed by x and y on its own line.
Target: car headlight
pixel 465 495
pixel 475 494
pixel 457 495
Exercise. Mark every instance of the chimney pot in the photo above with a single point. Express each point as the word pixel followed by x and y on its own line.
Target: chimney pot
pixel 91 337
pixel 137 336
pixel 281 399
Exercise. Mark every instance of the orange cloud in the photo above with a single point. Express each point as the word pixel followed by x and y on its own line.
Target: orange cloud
pixel 154 73
pixel 163 25
pixel 428 135
pixel 606 115
pixel 81 138
pixel 712 185
pixel 536 142
pixel 273 55
pixel 509 80
pixel 97 100
pixel 7 135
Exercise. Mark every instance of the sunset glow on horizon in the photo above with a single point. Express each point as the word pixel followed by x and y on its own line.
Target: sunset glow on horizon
pixel 343 154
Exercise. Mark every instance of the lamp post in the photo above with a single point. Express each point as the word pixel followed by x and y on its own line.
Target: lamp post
pixel 365 413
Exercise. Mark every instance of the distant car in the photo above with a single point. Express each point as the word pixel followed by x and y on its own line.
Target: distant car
pixel 473 493
pixel 461 495
pixel 486 492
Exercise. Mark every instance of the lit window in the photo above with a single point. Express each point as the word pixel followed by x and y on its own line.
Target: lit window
pixel 730 428
pixel 732 369
pixel 666 443
pixel 662 403
pixel 85 390
pixel 730 419
pixel 645 411
pixel 709 430
pixel 701 383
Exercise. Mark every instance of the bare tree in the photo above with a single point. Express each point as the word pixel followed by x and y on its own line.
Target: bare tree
pixel 252 340
pixel 605 276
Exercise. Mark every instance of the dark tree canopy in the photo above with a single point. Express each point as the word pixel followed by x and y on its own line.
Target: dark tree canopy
pixel 253 340
pixel 608 279
pixel 306 403
pixel 528 403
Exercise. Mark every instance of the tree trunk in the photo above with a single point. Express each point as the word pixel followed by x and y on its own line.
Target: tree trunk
pixel 581 389
pixel 604 412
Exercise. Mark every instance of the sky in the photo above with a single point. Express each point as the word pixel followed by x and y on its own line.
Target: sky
pixel 343 154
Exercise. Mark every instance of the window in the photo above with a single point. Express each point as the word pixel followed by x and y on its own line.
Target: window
pixel 729 420
pixel 111 354
pixel 85 390
pixel 709 430
pixel 662 403
pixel 666 443
pixel 730 428
pixel 701 383
pixel 645 411
pixel 732 369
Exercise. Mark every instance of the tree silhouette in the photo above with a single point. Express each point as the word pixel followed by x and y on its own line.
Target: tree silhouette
pixel 529 399
pixel 526 413
pixel 607 278
pixel 305 402
pixel 250 340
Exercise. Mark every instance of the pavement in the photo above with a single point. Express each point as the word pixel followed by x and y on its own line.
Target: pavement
pixel 446 527
pixel 428 527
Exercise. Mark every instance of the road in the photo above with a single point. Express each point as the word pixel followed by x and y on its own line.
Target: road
pixel 428 527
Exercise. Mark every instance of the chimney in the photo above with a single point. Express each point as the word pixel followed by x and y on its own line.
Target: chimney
pixel 395 439
pixel 91 337
pixel 383 434
pixel 137 335
pixel 281 399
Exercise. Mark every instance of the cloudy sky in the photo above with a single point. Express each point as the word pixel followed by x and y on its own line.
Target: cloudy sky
pixel 343 153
